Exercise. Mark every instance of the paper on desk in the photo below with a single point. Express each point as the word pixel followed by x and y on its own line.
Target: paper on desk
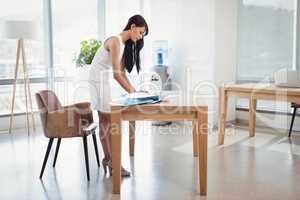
pixel 138 98
pixel 141 95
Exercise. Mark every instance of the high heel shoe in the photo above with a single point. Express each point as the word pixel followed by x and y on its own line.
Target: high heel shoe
pixel 107 164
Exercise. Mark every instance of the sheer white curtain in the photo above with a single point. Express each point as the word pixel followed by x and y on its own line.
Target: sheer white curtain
pixel 265 38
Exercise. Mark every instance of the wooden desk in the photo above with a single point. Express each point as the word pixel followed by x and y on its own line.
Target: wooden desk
pixel 165 111
pixel 254 92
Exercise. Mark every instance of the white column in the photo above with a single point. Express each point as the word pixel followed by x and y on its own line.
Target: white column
pixel 101 20
pixel 48 32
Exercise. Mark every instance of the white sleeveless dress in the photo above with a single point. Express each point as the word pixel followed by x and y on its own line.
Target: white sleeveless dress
pixel 103 88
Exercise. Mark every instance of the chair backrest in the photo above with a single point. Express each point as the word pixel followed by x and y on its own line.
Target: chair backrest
pixel 47 101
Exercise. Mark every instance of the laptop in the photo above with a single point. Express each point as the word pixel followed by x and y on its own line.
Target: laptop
pixel 287 78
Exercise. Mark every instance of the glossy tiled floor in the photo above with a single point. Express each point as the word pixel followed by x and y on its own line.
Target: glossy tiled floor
pixel 264 167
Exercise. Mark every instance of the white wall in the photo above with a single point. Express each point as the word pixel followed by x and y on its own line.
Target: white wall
pixel 226 24
pixel 188 27
pixel 166 24
pixel 117 14
pixel 202 37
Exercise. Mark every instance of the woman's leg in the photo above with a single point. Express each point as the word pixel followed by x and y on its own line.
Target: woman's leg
pixel 104 129
pixel 104 132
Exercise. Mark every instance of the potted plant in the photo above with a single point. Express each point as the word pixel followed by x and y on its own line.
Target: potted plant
pixel 87 52
pixel 83 59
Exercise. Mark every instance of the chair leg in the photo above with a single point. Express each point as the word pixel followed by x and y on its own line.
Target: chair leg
pixel 96 148
pixel 56 151
pixel 292 123
pixel 86 157
pixel 46 157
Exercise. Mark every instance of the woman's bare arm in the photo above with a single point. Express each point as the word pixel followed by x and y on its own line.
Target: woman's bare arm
pixel 124 74
pixel 118 73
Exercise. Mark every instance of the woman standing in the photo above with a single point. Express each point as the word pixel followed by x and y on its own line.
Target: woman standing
pixel 118 53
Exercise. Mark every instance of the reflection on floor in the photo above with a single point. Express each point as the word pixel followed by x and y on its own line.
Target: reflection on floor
pixel 264 167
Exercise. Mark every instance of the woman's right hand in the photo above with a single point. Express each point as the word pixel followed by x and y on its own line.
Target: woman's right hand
pixel 132 90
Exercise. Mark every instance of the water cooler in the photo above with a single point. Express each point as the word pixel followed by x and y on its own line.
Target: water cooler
pixel 160 78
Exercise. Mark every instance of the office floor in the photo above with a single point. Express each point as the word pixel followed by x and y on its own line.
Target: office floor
pixel 264 167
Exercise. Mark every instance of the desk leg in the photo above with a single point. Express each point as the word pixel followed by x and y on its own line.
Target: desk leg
pixel 222 114
pixel 202 149
pixel 195 139
pixel 116 141
pixel 131 137
pixel 252 117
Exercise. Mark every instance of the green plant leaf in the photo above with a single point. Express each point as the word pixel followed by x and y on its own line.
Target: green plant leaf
pixel 88 49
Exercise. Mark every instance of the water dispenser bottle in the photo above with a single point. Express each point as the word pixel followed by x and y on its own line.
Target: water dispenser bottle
pixel 160 53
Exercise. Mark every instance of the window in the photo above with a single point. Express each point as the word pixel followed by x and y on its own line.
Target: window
pixel 265 38
pixel 266 43
pixel 34 55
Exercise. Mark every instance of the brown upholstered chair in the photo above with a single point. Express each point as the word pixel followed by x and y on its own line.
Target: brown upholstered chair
pixel 65 122
pixel 294 106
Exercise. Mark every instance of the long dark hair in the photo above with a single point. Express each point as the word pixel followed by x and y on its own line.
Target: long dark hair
pixel 131 55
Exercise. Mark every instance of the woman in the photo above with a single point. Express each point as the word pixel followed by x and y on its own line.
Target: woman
pixel 118 53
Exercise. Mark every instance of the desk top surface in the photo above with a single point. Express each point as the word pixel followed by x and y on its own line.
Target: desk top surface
pixel 265 88
pixel 171 102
